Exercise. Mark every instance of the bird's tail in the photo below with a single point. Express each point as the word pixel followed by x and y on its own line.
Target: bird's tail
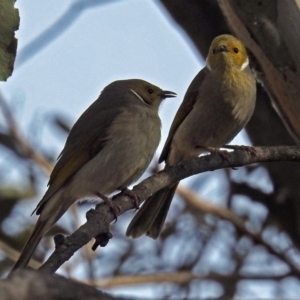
pixel 151 216
pixel 50 210
pixel 39 230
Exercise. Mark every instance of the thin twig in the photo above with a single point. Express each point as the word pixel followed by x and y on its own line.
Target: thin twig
pixel 24 147
pixel 175 277
pixel 238 222
pixel 14 255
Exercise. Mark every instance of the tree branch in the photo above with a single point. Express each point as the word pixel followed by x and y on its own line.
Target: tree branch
pixel 98 220
pixel 25 285
pixel 181 277
pixel 14 254
pixel 17 143
pixel 240 225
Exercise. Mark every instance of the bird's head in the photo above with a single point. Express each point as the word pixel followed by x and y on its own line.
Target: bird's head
pixel 227 51
pixel 148 93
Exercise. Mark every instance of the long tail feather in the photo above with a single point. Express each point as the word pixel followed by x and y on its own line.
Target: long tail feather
pixel 160 218
pixel 151 216
pixel 40 229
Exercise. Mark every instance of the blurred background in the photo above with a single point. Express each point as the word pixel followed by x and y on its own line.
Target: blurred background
pixel 229 233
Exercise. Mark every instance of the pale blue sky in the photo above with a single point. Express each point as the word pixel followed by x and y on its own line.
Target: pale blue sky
pixel 124 39
pixel 116 40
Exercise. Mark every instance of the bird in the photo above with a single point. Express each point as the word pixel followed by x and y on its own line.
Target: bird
pixel 217 105
pixel 108 148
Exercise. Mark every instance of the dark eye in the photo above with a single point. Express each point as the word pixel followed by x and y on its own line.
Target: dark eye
pixel 150 91
pixel 214 51
pixel 236 50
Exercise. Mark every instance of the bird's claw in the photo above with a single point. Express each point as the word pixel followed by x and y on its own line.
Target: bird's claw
pixel 222 153
pixel 113 207
pixel 251 150
pixel 133 196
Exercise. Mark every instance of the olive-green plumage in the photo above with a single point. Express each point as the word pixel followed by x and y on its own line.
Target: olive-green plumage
pixel 108 148
pixel 217 105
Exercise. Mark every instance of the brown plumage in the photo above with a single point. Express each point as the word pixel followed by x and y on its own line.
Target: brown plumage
pixel 217 105
pixel 108 148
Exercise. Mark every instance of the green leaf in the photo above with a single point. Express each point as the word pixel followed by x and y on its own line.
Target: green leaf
pixel 9 23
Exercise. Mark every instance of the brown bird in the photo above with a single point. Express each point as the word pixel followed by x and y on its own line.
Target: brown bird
pixel 108 148
pixel 217 105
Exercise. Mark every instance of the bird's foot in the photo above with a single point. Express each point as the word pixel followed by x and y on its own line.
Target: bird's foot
pixel 135 199
pixel 249 149
pixel 102 240
pixel 222 153
pixel 113 207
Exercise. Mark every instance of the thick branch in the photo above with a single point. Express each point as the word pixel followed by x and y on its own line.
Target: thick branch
pixel 269 29
pixel 100 218
pixel 32 285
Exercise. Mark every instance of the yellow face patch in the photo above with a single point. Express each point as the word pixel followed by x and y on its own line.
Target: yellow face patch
pixel 229 50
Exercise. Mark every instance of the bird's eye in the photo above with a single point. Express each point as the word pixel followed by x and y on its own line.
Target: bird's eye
pixel 150 91
pixel 236 50
pixel 214 51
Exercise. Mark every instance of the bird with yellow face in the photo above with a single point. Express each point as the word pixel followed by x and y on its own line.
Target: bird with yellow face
pixel 217 105
pixel 109 147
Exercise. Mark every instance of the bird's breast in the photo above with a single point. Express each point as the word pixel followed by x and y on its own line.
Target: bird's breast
pixel 131 142
pixel 136 132
pixel 222 108
pixel 139 127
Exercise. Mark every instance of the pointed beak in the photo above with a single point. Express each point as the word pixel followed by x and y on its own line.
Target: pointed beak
pixel 167 94
pixel 222 48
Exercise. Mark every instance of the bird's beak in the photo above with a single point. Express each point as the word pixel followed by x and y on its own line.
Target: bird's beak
pixel 167 94
pixel 222 48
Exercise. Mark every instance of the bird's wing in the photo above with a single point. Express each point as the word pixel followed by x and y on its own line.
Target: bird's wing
pixel 85 140
pixel 184 109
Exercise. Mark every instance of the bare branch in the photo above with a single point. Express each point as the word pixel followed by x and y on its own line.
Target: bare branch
pixel 175 277
pixel 55 30
pixel 22 147
pixel 238 222
pixel 35 286
pixel 100 218
pixel 275 44
pixel 13 255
